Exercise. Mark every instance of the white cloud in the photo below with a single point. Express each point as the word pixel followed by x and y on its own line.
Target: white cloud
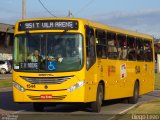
pixel 143 21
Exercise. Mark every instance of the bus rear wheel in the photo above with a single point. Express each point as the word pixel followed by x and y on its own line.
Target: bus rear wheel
pixel 96 106
pixel 38 107
pixel 134 98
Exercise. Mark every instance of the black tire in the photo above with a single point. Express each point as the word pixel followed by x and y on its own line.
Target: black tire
pixel 38 107
pixel 3 71
pixel 134 98
pixel 96 106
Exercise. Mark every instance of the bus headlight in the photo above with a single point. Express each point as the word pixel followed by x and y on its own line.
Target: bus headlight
pixel 76 86
pixel 19 87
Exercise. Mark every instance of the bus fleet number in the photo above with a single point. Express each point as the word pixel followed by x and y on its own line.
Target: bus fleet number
pixel 31 86
pixel 137 69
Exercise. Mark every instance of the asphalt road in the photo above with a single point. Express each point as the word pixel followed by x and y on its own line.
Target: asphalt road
pixel 9 109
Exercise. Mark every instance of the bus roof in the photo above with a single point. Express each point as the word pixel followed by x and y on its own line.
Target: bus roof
pixel 98 25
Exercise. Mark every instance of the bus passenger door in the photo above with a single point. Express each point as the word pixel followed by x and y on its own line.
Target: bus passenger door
pixel 91 75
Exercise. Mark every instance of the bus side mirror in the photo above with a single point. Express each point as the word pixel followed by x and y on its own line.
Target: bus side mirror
pixel 7 36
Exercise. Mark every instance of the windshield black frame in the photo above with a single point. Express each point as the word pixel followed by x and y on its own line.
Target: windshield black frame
pixel 61 35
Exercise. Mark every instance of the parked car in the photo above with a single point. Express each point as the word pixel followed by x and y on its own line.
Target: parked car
pixel 5 67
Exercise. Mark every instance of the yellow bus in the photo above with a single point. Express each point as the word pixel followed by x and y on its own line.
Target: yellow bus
pixel 70 60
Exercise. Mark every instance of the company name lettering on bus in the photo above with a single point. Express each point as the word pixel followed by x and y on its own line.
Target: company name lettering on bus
pixel 44 25
pixel 111 69
pixel 44 75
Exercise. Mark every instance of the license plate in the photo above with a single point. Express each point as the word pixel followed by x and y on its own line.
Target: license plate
pixel 46 96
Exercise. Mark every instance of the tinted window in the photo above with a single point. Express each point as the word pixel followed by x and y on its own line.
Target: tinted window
pixel 2 62
pixel 112 45
pixel 148 50
pixel 140 49
pixel 101 44
pixel 122 46
pixel 90 47
pixel 131 48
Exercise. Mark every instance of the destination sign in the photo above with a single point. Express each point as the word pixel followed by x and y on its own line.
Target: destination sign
pixel 29 65
pixel 48 25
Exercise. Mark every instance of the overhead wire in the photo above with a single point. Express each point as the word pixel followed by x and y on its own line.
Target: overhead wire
pixel 70 14
pixel 78 12
pixel 46 8
pixel 84 7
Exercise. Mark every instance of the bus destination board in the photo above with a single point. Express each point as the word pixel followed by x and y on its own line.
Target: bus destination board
pixel 48 25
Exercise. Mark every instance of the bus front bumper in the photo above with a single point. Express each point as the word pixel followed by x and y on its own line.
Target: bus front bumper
pixel 49 96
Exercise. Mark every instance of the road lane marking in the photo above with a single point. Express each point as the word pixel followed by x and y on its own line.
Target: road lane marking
pixel 124 111
pixel 111 118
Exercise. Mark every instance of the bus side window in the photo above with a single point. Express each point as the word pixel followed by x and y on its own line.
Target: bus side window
pixel 148 50
pixel 112 45
pixel 90 47
pixel 131 48
pixel 140 49
pixel 122 48
pixel 101 44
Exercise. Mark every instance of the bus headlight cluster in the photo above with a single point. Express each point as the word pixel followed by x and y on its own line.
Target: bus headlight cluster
pixel 76 86
pixel 19 87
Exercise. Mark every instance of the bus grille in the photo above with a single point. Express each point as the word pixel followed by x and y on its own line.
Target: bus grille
pixel 52 98
pixel 45 80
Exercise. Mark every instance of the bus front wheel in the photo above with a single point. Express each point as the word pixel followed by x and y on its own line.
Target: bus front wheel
pixel 96 106
pixel 134 98
pixel 38 106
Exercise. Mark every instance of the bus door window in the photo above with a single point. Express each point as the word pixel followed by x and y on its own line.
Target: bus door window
pixel 131 48
pixel 140 49
pixel 122 46
pixel 148 50
pixel 112 45
pixel 101 44
pixel 90 47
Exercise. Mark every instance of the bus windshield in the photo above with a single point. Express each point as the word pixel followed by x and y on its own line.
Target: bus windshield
pixel 44 52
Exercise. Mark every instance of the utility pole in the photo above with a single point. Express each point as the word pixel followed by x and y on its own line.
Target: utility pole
pixel 69 13
pixel 23 9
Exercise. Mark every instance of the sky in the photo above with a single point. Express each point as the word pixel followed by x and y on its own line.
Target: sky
pixel 136 15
